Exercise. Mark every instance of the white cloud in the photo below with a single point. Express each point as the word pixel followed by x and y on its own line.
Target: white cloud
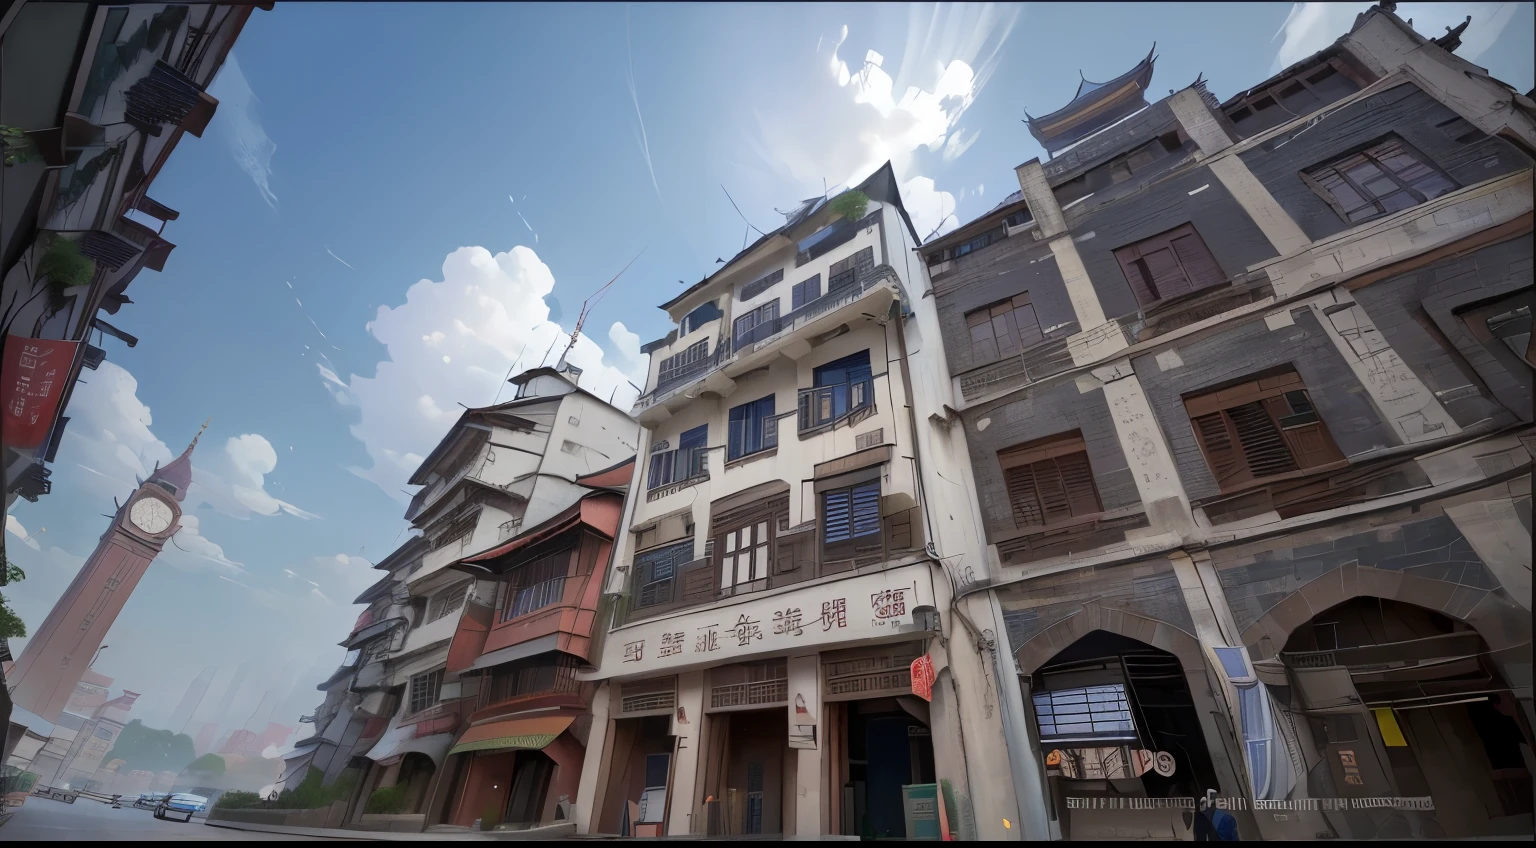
pixel 1312 26
pixel 344 573
pixel 190 550
pixel 13 527
pixel 874 113
pixel 253 457
pixel 495 306
pixel 236 118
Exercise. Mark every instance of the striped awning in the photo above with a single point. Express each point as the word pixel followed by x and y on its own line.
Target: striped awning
pixel 530 734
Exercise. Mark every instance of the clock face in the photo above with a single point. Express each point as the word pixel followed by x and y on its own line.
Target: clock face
pixel 151 515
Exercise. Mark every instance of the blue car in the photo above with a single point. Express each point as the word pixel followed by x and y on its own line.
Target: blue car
pixel 181 802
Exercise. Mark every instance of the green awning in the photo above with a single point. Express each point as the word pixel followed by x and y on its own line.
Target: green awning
pixel 528 734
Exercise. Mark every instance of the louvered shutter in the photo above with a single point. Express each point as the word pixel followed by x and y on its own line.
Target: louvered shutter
pixel 838 516
pixel 1199 265
pixel 1022 496
pixel 1167 276
pixel 1263 446
pixel 1140 284
pixel 1077 479
pixel 865 520
pixel 1220 451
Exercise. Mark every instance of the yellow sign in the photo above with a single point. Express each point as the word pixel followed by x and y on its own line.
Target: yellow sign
pixel 1391 733
pixel 1053 759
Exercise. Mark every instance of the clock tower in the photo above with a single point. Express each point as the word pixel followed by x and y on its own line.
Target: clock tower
pixel 65 644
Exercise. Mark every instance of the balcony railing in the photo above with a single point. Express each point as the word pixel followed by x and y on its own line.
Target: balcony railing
pixel 676 466
pixel 506 684
pixel 690 363
pixel 824 405
pixel 1391 655
pixel 761 692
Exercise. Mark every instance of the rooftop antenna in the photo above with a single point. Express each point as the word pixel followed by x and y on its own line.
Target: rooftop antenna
pixel 587 306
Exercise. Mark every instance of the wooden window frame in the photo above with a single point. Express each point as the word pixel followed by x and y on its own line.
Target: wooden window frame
pixel 855 486
pixel 767 423
pixel 439 606
pixel 674 556
pixel 424 690
pixel 541 580
pixel 739 573
pixel 1339 165
pixel 1027 466
pixel 1006 311
pixel 1198 271
pixel 763 314
pixel 1233 445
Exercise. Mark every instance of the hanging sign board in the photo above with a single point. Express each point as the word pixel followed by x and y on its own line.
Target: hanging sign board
pixel 33 373
pixel 923 676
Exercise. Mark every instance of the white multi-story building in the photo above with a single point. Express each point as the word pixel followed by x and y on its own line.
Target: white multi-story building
pixel 790 558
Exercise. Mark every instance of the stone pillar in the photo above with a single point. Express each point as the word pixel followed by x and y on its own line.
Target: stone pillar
pixel 806 739
pixel 1403 400
pixel 1052 226
pixel 595 765
pixel 1146 452
pixel 688 739
pixel 391 775
pixel 1493 529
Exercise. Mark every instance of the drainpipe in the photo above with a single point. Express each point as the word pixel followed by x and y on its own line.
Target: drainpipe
pixel 1027 784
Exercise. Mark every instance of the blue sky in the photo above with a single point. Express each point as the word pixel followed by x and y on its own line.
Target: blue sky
pixel 397 203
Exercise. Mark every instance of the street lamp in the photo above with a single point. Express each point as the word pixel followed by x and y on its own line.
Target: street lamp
pixel 98 654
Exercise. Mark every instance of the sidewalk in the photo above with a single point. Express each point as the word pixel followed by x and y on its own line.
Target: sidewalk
pixel 556 831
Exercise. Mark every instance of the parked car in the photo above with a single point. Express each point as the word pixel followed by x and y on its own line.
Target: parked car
pixel 148 801
pixel 184 803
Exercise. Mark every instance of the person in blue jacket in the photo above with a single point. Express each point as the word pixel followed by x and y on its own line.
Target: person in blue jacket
pixel 1213 824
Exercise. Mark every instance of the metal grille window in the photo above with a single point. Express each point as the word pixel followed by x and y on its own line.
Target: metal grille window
pixel 537 584
pixel 447 602
pixel 424 689
pixel 675 367
pixel 1084 714
pixel 1003 329
pixel 756 325
pixel 457 530
pixel 1169 264
pixel 843 273
pixel 753 428
pixel 1050 481
pixel 656 573
pixel 1381 179
pixel 745 553
pixel 1260 429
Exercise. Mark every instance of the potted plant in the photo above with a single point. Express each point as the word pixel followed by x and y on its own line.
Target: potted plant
pixel 850 205
pixel 17 147
pixel 65 267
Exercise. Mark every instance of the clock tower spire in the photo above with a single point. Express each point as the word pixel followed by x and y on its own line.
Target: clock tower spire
pixel 58 653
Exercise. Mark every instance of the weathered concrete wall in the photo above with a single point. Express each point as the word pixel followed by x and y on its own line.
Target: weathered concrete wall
pixel 1246 348
pixel 1234 240
pixel 1148 589
pixel 1038 413
pixel 1441 289
pixel 1405 111
pixel 997 271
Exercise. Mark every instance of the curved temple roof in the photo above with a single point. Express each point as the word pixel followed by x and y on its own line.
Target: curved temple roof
pixel 1095 106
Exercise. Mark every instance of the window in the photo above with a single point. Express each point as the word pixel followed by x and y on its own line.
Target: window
pixel 656 572
pixel 424 689
pixel 753 428
pixel 1049 481
pixel 1084 714
pixel 843 273
pixel 1003 329
pixel 536 584
pixel 457 530
pixel 757 287
pixel 850 514
pixel 827 239
pixel 744 556
pixel 805 292
pixel 1169 264
pixel 756 325
pixel 546 673
pixel 1018 219
pixel 700 316
pixel 677 367
pixel 447 602
pixel 684 463
pixel 1256 722
pixel 1260 429
pixel 840 387
pixel 1381 179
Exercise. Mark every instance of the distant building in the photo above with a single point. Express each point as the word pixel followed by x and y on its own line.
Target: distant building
pixel 193 697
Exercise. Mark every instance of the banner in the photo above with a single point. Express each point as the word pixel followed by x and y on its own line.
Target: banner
pixel 33 372
pixel 923 676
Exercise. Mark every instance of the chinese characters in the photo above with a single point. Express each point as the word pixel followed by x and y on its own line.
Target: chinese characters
pixel 787 622
pixel 889 603
pixel 634 651
pixel 834 614
pixel 671 644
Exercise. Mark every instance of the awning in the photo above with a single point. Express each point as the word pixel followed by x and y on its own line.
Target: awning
pixel 400 741
pixel 521 651
pixel 296 763
pixel 371 631
pixel 531 734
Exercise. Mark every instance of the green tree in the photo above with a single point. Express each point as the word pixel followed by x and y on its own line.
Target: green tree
pixel 148 749
pixel 11 625
pixel 208 764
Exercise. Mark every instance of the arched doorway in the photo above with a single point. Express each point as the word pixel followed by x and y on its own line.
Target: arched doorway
pixel 1124 728
pixel 416 770
pixel 1394 700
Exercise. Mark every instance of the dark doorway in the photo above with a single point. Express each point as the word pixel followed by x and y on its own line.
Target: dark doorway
pixel 887 749
pixel 530 782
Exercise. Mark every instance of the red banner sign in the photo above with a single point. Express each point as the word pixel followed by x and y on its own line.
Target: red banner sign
pixel 923 676
pixel 33 373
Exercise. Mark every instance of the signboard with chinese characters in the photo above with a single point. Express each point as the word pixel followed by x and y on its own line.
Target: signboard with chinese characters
pixel 34 372
pixel 868 607
pixel 923 676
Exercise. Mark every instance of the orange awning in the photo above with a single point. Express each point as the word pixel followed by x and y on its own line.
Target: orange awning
pixel 531 734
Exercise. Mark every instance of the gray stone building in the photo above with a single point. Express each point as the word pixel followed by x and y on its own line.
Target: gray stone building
pixel 1246 389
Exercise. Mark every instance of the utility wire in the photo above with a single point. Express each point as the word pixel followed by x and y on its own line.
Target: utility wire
pixel 738 210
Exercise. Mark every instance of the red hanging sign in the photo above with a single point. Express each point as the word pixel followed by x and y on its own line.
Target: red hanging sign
pixel 923 676
pixel 33 373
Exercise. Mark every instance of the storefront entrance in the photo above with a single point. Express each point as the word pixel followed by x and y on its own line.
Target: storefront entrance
pixel 1404 702
pixel 638 784
pixel 745 773
pixel 878 748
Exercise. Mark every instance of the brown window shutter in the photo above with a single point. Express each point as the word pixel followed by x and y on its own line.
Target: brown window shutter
pixel 1023 497
pixel 1140 285
pixel 1199 265
pixel 1168 278
pixel 1077 478
pixel 1220 451
pixel 1263 446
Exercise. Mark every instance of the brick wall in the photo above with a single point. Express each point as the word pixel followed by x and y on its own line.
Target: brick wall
pixel 1440 289
pixel 1404 110
pixel 998 271
pixel 1146 588
pixel 1246 348
pixel 1035 414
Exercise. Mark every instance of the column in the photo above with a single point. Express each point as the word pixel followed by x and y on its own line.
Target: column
pixel 805 740
pixel 1053 230
pixel 688 739
pixel 594 765
pixel 1146 452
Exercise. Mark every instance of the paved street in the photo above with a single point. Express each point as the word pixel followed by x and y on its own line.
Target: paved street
pixel 40 820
